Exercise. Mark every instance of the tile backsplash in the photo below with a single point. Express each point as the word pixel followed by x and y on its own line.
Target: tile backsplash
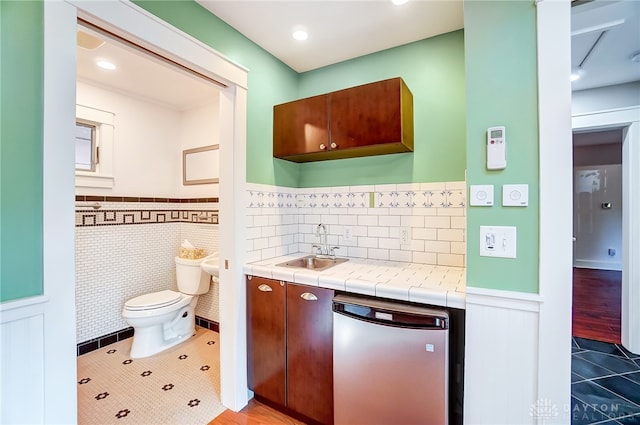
pixel 284 220
pixel 126 248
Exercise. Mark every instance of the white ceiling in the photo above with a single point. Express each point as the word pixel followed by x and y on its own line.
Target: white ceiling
pixel 338 30
pixel 610 60
pixel 142 75
pixel 344 29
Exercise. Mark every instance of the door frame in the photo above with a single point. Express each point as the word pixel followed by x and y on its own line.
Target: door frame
pixel 125 19
pixel 629 119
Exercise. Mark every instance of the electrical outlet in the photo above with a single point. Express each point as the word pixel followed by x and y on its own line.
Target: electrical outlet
pixel 347 234
pixel 405 235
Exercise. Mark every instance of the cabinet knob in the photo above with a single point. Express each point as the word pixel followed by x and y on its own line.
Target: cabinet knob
pixel 265 288
pixel 334 145
pixel 322 146
pixel 308 296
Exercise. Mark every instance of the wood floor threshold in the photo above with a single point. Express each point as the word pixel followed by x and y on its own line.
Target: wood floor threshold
pixel 255 413
pixel 597 304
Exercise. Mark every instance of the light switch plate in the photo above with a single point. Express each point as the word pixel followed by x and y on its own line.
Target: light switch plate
pixel 515 195
pixel 481 195
pixel 498 241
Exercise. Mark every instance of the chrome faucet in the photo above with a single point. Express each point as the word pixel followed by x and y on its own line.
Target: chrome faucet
pixel 323 249
pixel 321 232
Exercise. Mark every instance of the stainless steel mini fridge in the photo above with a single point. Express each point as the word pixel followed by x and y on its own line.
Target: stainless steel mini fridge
pixel 390 363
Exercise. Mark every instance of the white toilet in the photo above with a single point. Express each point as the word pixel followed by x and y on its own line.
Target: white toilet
pixel 163 319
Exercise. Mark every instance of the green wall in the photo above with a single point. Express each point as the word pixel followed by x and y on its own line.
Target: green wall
pixel 437 70
pixel 433 69
pixel 270 82
pixel 434 72
pixel 21 112
pixel 501 85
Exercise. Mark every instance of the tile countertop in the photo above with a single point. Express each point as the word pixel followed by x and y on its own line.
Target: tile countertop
pixel 422 283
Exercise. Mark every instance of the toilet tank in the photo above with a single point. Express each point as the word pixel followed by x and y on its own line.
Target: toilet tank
pixel 192 280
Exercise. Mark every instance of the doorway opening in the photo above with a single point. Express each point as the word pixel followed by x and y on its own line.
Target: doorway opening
pixel 597 223
pixel 133 207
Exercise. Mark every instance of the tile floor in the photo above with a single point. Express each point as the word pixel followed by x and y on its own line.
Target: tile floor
pixel 605 384
pixel 178 386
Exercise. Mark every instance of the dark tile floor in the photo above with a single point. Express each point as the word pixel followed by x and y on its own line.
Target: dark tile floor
pixel 605 384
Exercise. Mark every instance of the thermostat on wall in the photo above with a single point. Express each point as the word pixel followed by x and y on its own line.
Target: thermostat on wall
pixel 496 148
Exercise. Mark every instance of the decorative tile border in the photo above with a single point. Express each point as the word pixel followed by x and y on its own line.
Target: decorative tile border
pixel 102 341
pixel 425 195
pixel 117 210
pixel 100 198
pixel 109 217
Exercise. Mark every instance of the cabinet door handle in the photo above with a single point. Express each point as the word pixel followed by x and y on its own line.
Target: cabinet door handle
pixel 265 288
pixel 322 146
pixel 308 296
pixel 334 145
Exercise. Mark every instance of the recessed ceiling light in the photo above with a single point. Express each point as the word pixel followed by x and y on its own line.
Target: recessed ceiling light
pixel 300 34
pixel 576 74
pixel 106 65
pixel 399 2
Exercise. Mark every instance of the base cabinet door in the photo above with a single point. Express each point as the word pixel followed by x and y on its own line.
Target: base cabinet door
pixel 266 338
pixel 290 347
pixel 310 352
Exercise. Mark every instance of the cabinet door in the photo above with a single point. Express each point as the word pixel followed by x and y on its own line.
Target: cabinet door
pixel 266 338
pixel 310 351
pixel 368 115
pixel 300 127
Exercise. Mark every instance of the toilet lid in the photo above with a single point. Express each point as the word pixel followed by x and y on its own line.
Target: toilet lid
pixel 153 300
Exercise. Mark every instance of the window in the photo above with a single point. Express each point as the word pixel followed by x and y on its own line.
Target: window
pixel 94 147
pixel 86 149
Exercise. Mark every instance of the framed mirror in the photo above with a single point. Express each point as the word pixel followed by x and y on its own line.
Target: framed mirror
pixel 200 165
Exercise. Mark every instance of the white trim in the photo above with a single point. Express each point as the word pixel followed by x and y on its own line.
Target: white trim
pixel 132 22
pixel 503 299
pixel 629 118
pixel 606 111
pixel 553 27
pixel 151 32
pixel 12 310
pixel 619 117
pixel 600 265
pixel 631 238
pixel 60 384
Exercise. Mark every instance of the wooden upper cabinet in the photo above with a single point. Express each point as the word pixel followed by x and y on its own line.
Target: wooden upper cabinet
pixel 371 119
pixel 266 338
pixel 300 127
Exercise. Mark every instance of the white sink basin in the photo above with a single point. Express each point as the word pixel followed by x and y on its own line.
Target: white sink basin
pixel 211 265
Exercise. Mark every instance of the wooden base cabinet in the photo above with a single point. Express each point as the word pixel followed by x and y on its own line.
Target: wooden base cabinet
pixel 290 347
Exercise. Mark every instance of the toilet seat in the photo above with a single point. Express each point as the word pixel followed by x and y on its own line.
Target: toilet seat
pixel 153 300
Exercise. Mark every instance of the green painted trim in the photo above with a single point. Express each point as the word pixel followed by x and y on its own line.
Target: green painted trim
pixel 21 136
pixel 501 84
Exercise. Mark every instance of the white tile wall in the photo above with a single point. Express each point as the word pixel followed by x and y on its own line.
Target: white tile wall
pixel 283 221
pixel 116 263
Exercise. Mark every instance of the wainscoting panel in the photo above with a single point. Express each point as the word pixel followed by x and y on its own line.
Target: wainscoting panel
pixel 22 361
pixel 501 355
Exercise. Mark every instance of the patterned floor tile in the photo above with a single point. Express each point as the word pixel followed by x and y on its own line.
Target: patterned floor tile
pixel 178 386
